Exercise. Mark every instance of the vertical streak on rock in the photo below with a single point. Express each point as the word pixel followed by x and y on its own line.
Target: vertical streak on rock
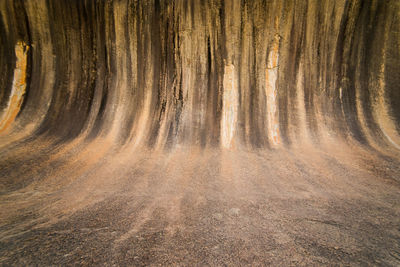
pixel 230 106
pixel 200 45
pixel 120 86
pixel 145 73
pixel 248 129
pixel 271 75
pixel 184 97
pixel 311 62
pixel 348 55
pixel 384 120
pixel 214 16
pixel 125 60
pixel 7 61
pixel 261 31
pixel 165 103
pixel 184 86
pixel 18 88
pixel 230 98
pixel 133 94
pixel 106 68
pixel 302 123
pixel 381 107
pixel 41 86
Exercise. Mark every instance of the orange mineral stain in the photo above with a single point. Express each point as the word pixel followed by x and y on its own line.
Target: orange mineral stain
pixel 18 89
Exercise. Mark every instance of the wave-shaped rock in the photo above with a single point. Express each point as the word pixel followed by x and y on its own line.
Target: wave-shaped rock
pixel 199 132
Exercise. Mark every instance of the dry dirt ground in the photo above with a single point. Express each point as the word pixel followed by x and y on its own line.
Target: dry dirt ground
pixel 94 205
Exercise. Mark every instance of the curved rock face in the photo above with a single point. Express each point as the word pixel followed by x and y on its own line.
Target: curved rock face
pixel 204 73
pixel 154 102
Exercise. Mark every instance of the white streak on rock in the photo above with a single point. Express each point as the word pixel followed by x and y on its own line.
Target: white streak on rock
pixel 230 106
pixel 271 76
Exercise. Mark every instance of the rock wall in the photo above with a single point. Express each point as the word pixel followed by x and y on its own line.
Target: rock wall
pixel 255 74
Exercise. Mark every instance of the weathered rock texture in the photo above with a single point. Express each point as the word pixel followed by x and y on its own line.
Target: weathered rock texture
pixel 206 73
pixel 170 113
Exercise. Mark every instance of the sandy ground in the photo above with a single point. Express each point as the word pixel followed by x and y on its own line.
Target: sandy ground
pixel 94 205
